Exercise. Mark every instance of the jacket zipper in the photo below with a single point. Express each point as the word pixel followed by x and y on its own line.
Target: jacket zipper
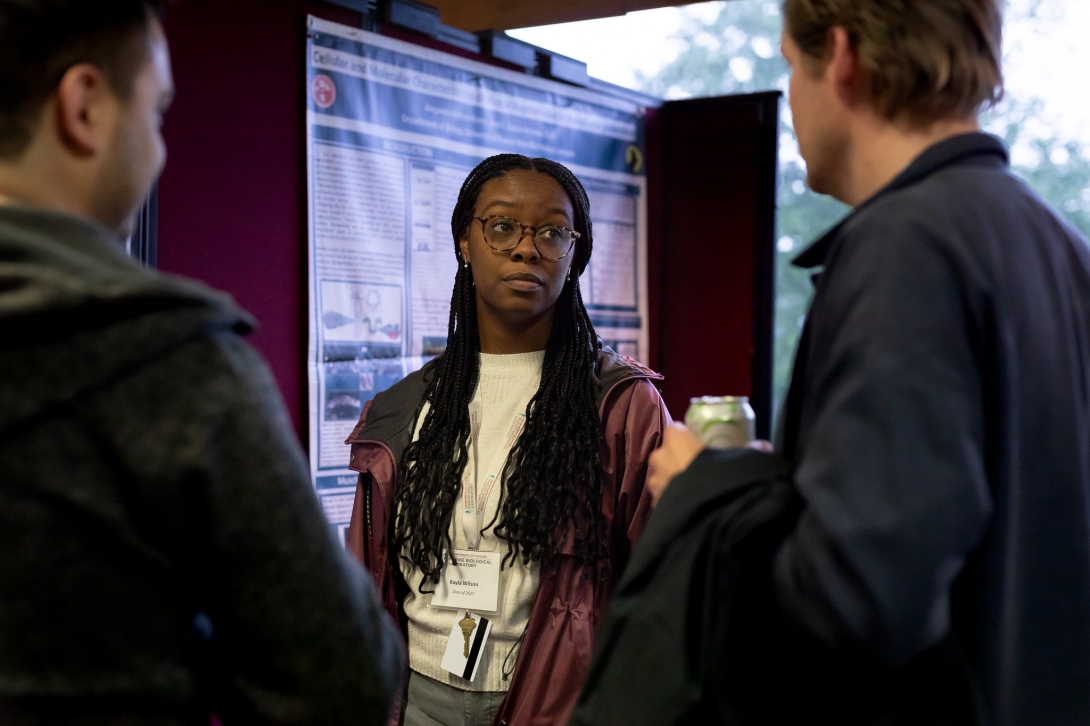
pixel 367 504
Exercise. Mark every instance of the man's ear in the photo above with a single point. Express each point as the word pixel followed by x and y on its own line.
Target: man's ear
pixel 847 75
pixel 86 110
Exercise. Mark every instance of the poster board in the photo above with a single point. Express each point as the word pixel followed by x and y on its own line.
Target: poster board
pixel 392 131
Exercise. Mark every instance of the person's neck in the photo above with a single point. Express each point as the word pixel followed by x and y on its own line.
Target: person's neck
pixel 37 179
pixel 880 150
pixel 500 336
pixel 9 196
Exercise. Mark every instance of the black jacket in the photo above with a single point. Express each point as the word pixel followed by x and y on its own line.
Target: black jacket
pixel 939 418
pixel 694 634
pixel 663 654
pixel 162 553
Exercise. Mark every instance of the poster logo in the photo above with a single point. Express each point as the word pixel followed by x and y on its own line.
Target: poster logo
pixel 323 90
pixel 634 158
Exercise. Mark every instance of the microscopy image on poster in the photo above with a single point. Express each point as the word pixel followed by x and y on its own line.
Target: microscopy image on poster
pixel 393 129
pixel 361 344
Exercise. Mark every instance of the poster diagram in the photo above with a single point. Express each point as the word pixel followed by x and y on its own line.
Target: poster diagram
pixel 393 129
pixel 364 313
pixel 361 345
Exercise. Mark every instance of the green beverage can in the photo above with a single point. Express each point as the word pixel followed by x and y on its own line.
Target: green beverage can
pixel 721 422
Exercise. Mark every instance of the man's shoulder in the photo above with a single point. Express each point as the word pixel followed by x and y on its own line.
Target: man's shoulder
pixel 957 191
pixel 212 373
pixel 979 218
pixel 180 410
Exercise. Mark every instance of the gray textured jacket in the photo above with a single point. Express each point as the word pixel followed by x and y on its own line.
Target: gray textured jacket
pixel 939 416
pixel 162 554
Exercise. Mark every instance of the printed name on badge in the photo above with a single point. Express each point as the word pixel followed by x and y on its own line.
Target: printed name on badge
pixel 470 582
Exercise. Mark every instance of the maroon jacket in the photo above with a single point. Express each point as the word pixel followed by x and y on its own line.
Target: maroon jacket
pixel 556 650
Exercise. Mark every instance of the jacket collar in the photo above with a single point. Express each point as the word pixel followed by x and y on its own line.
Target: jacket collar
pixel 614 369
pixel 945 153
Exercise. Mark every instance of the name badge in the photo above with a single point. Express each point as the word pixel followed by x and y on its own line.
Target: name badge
pixel 471 581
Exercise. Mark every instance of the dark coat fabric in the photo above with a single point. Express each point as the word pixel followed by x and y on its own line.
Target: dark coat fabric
pixel 939 420
pixel 162 553
pixel 661 654
pixel 694 634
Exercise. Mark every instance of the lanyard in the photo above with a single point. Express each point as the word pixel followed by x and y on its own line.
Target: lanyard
pixel 473 506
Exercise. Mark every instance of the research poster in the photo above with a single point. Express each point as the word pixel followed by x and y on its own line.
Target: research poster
pixel 393 129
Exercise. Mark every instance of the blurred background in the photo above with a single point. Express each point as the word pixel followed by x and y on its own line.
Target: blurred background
pixel 718 48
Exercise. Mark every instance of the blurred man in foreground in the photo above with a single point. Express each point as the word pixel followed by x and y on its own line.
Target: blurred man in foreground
pixel 161 552
pixel 938 419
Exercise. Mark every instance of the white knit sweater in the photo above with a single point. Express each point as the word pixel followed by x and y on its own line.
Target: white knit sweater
pixel 505 381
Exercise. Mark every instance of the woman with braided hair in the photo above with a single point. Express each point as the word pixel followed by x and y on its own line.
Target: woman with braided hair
pixel 502 486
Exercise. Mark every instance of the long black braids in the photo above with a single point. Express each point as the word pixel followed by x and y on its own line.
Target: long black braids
pixel 554 480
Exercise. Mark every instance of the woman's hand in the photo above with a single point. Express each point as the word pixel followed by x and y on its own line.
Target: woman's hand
pixel 679 448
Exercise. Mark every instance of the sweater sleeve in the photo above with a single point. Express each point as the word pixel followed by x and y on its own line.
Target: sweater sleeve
pixel 300 635
pixel 892 471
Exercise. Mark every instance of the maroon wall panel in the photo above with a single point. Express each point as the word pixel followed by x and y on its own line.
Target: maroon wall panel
pixel 712 208
pixel 232 199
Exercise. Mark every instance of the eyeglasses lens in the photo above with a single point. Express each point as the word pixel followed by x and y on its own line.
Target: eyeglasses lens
pixel 503 233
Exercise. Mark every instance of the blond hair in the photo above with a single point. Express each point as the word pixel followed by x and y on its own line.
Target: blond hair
pixel 923 60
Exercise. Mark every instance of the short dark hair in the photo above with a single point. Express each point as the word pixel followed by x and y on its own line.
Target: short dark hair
pixel 41 39
pixel 924 59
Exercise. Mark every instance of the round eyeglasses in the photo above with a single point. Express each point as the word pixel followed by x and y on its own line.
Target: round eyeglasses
pixel 503 234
